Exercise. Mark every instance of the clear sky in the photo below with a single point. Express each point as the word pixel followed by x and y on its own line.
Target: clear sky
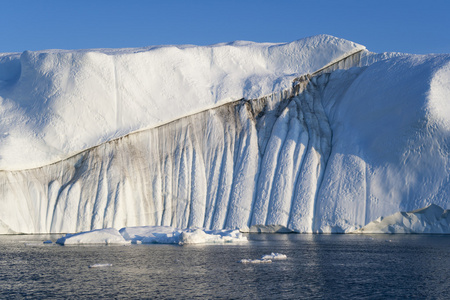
pixel 381 25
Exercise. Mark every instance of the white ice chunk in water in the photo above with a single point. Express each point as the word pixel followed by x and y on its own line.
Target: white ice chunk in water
pixel 274 256
pixel 267 258
pixel 255 261
pixel 98 236
pixel 100 265
pixel 171 235
pixel 150 234
pixel 199 236
pixel 431 219
pixel 153 235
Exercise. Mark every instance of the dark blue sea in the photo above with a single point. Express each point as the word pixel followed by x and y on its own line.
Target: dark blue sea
pixel 317 267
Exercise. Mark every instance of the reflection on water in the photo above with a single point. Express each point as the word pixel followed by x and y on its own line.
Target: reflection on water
pixel 318 266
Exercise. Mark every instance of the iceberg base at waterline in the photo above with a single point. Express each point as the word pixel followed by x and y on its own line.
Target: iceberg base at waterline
pixel 431 219
pixel 152 235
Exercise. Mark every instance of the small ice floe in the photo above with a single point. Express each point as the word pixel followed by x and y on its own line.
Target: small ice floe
pixel 268 258
pixel 100 265
pixel 171 235
pixel 200 236
pixel 274 256
pixel 150 234
pixel 153 235
pixel 255 261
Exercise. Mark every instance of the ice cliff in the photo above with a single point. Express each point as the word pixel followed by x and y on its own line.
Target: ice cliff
pixel 318 135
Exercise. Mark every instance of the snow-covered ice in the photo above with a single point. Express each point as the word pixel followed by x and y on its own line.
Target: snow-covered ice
pixel 99 236
pixel 323 152
pixel 55 103
pixel 198 236
pixel 153 235
pixel 430 219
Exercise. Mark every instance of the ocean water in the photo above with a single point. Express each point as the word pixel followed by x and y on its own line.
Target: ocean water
pixel 317 267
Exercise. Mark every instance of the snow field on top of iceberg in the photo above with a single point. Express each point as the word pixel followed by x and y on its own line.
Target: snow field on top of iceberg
pixel 56 103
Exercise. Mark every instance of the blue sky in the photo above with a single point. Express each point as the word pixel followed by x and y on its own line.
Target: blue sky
pixel 395 25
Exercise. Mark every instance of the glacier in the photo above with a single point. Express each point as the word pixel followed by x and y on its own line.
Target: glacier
pixel 316 136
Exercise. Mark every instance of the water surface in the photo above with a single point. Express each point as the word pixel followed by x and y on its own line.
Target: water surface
pixel 318 266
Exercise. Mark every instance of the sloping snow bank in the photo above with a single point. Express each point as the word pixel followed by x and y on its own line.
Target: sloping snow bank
pixel 56 103
pixel 431 219
pixel 153 235
pixel 99 236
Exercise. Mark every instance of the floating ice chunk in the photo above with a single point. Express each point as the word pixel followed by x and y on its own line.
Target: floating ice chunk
pixel 150 234
pixel 431 219
pixel 162 238
pixel 199 236
pixel 268 258
pixel 100 265
pixel 274 256
pixel 255 261
pixel 170 235
pixel 98 236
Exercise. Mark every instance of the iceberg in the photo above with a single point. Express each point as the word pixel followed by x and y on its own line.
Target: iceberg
pixel 152 235
pixel 198 236
pixel 430 219
pixel 315 136
pixel 100 236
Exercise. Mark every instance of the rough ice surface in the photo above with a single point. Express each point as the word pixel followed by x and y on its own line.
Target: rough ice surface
pixel 55 103
pixel 153 235
pixel 98 236
pixel 331 151
pixel 431 219
pixel 199 236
